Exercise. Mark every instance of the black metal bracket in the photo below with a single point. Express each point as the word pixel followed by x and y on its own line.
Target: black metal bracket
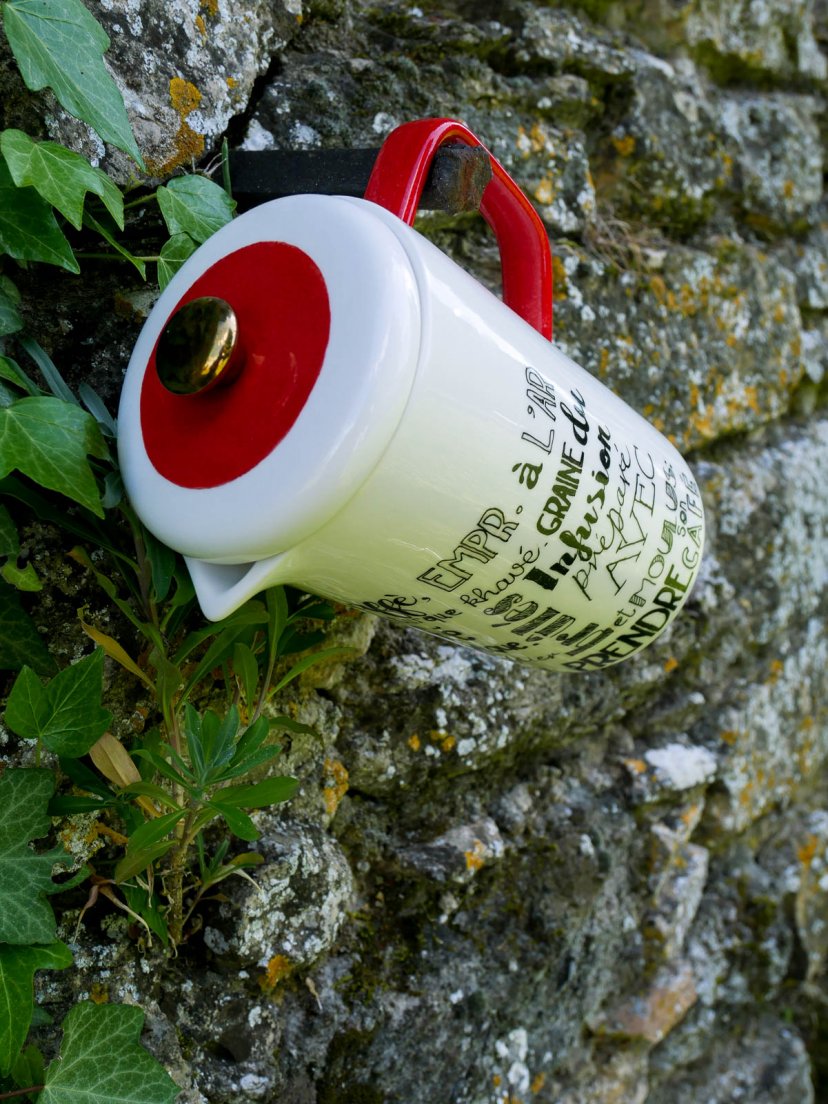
pixel 456 182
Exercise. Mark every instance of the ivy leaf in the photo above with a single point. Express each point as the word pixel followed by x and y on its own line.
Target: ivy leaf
pixel 26 875
pixel 61 176
pixel 174 253
pixel 10 320
pixel 99 228
pixel 196 206
pixel 9 540
pixel 28 230
pixel 48 440
pixel 10 370
pixel 29 1066
pixel 20 642
pixel 59 44
pixel 21 578
pixel 17 969
pixel 66 715
pixel 102 1061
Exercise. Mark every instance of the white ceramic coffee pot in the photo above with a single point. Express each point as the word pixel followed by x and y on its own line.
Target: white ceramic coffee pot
pixel 376 427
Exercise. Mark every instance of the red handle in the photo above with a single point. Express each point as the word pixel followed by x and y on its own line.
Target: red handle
pixel 397 182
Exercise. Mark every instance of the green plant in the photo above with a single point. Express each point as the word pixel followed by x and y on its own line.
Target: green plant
pixel 175 797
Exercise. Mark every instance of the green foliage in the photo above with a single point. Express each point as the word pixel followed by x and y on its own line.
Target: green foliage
pixel 10 320
pixel 195 206
pixel 26 875
pixel 29 1067
pixel 49 440
pixel 17 970
pixel 66 715
pixel 218 753
pixel 20 642
pixel 61 176
pixel 9 540
pixel 22 578
pixel 102 1061
pixel 198 768
pixel 60 45
pixel 28 230
pixel 173 255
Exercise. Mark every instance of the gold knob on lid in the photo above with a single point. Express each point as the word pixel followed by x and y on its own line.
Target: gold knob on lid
pixel 199 347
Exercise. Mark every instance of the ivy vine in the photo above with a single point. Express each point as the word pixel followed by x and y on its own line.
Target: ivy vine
pixel 191 769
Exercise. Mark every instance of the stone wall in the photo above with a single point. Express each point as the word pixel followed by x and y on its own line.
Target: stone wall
pixel 501 885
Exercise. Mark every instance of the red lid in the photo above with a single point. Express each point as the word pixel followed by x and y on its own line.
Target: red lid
pixel 280 300
pixel 329 328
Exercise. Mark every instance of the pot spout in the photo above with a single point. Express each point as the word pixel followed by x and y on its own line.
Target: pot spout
pixel 222 588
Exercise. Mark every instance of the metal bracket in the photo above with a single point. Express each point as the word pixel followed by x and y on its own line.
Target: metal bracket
pixel 458 177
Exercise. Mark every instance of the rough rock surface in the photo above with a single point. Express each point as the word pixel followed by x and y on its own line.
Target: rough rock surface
pixel 500 885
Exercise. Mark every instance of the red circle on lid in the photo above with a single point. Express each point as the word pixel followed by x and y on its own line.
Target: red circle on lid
pixel 281 302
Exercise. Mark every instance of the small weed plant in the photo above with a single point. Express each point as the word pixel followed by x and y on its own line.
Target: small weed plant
pixel 192 768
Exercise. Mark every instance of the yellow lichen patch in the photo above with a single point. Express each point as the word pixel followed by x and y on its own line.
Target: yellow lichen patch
pixel 534 141
pixel 729 736
pixel 277 969
pixel 544 192
pixel 752 398
pixel 690 816
pixel 414 742
pixel 188 144
pixel 184 96
pixel 474 858
pixel 211 7
pixel 625 145
pixel 776 669
pixel 702 422
pixel 447 744
pixel 603 361
pixel 806 851
pixel 496 1079
pixel 100 829
pixel 658 288
pixel 231 82
pixel 537 1083
pixel 788 189
pixel 337 785
pixel 670 664
pixel 99 993
pixel 637 766
pixel 559 278
pixel 201 25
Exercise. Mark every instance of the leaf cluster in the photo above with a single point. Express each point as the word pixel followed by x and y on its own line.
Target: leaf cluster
pixel 100 1044
pixel 46 188
pixel 188 784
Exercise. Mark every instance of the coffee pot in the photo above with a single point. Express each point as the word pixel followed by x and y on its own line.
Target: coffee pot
pixel 321 397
